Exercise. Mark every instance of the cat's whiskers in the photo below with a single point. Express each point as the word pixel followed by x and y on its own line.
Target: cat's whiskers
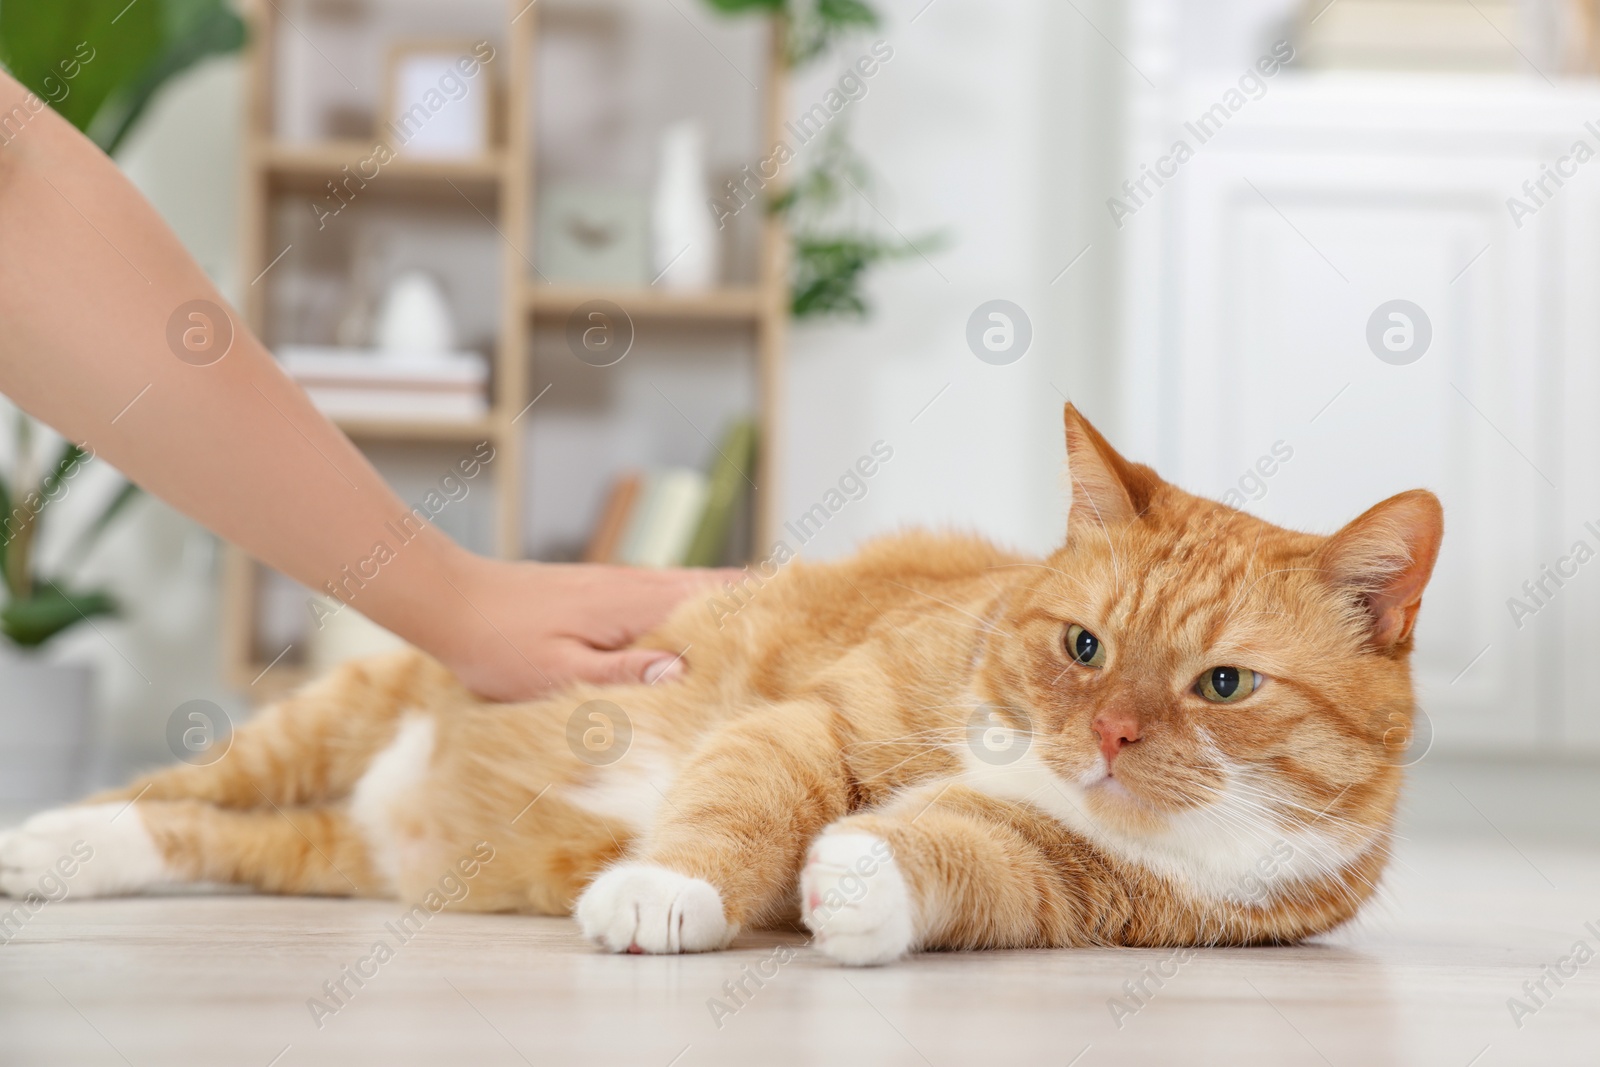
pixel 1263 808
pixel 1318 815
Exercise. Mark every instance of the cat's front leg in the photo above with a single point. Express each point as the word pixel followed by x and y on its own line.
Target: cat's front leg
pixel 945 867
pixel 855 899
pixel 728 840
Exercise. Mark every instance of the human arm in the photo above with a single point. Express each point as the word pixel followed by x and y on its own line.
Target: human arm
pixel 89 278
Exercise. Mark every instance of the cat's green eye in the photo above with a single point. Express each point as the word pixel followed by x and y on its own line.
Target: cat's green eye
pixel 1228 685
pixel 1085 647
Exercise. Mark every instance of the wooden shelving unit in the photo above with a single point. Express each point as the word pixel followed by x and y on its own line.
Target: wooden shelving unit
pixel 733 305
pixel 500 187
pixel 314 164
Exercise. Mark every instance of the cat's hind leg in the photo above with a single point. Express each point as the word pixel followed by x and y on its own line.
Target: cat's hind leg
pixel 312 747
pixel 120 848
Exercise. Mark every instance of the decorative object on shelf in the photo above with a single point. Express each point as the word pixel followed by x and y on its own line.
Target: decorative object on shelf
pixel 415 319
pixel 438 102
pixel 683 239
pixel 832 250
pixel 354 383
pixel 593 235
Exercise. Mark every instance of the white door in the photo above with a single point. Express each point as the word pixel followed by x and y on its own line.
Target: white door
pixel 1261 285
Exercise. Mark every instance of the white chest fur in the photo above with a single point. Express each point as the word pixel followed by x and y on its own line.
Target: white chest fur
pixel 1231 850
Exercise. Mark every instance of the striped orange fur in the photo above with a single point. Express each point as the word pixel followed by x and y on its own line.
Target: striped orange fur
pixel 900 749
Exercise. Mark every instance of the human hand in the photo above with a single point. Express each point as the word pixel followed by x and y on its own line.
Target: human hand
pixel 541 626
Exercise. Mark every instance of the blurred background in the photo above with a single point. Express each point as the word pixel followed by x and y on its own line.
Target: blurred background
pixel 660 279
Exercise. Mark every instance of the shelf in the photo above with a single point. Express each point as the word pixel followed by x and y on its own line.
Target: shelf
pixel 730 305
pixel 418 430
pixel 500 190
pixel 311 165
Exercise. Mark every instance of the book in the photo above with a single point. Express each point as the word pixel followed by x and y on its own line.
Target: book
pixel 731 469
pixel 627 550
pixel 606 540
pixel 678 516
pixel 357 383
pixel 416 405
pixel 676 504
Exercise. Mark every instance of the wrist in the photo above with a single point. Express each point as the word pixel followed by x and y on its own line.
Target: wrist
pixel 457 627
pixel 464 634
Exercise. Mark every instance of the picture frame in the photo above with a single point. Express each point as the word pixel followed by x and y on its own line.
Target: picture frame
pixel 439 98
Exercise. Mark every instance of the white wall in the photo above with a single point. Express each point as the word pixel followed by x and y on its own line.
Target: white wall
pixel 990 124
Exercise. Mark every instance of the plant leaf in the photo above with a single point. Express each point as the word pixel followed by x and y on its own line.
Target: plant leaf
pixel 85 542
pixel 31 621
pixel 100 62
pixel 71 455
pixel 196 29
pixel 739 7
pixel 77 53
pixel 842 13
pixel 6 523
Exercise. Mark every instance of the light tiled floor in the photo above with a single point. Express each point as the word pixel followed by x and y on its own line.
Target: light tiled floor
pixel 1423 978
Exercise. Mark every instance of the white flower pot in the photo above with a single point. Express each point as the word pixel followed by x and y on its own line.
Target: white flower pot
pixel 45 717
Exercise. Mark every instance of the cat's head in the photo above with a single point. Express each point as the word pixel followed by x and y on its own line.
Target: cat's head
pixel 1189 671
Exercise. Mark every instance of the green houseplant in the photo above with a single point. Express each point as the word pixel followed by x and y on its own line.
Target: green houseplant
pixel 39 606
pixel 99 64
pixel 832 252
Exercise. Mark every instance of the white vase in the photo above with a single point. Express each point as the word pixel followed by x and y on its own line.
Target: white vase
pixel 46 711
pixel 684 246
pixel 415 318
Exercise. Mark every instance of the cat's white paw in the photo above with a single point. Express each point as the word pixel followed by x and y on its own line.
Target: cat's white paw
pixel 855 901
pixel 642 907
pixel 95 850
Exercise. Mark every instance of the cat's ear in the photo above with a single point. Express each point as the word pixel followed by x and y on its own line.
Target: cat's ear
pixel 1107 490
pixel 1384 558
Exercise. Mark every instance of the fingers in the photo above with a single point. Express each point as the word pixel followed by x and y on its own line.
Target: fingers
pixel 628 667
pixel 623 603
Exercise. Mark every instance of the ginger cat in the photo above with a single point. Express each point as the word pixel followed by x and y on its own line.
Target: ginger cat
pixel 1178 729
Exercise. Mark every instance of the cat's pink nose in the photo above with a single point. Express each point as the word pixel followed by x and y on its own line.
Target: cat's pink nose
pixel 1115 728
